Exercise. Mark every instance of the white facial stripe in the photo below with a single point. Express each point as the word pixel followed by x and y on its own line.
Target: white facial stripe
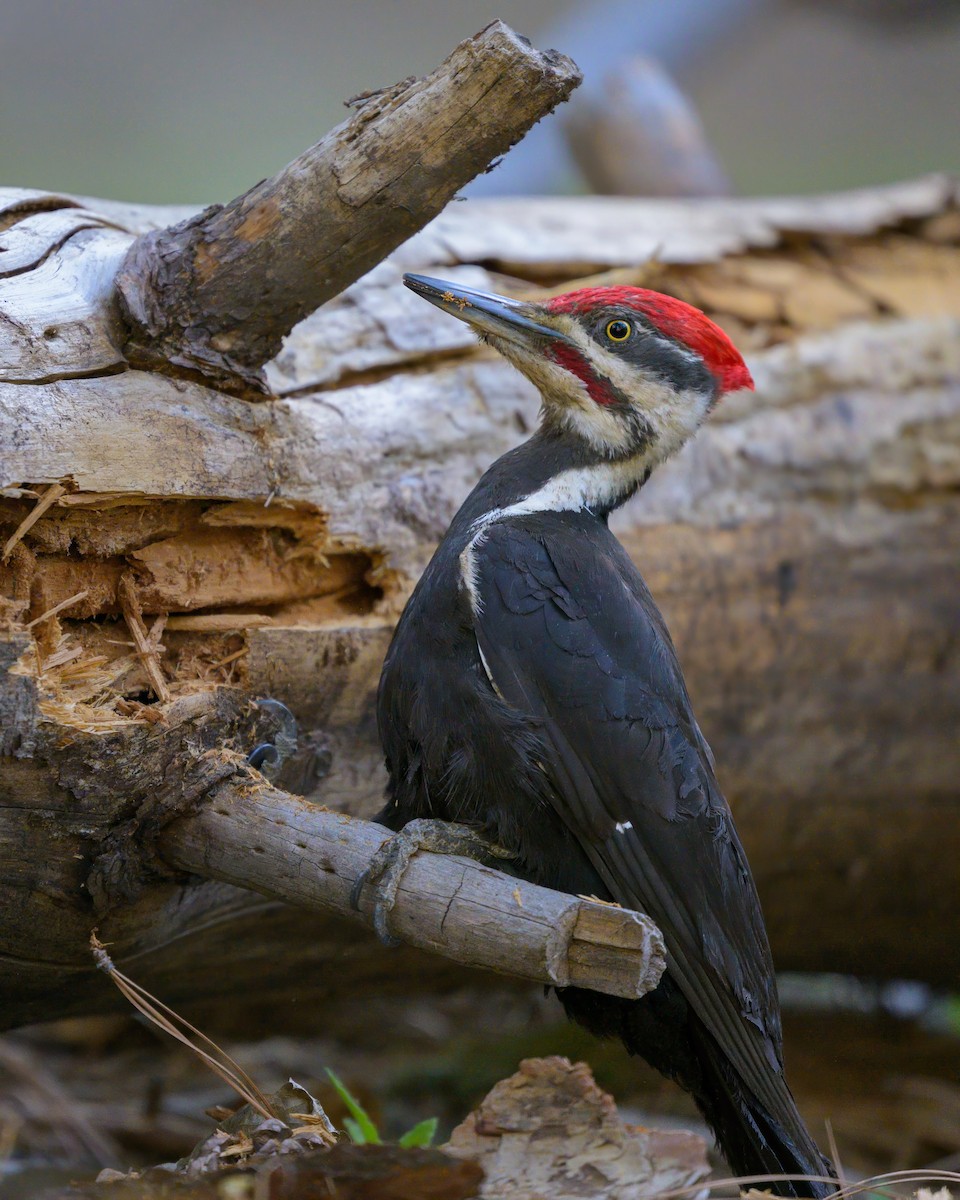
pixel 567 400
pixel 673 416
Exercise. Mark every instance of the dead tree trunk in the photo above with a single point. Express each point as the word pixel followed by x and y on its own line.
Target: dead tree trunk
pixel 208 550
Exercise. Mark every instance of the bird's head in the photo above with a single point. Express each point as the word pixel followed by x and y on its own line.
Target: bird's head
pixel 630 371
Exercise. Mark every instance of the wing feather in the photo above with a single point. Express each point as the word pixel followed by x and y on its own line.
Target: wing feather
pixel 571 637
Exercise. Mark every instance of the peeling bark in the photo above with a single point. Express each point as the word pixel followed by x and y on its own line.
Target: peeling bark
pixel 550 1131
pixel 802 548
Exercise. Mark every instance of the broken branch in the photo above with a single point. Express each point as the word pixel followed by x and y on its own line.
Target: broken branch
pixel 217 293
pixel 284 847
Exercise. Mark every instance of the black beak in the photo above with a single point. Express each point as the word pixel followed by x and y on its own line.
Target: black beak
pixel 514 321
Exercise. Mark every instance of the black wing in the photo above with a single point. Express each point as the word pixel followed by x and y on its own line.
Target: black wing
pixel 570 635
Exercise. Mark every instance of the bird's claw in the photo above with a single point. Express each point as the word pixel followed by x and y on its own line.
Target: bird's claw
pixel 269 757
pixel 387 866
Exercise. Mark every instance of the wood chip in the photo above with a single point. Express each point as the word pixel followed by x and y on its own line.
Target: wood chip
pixel 58 608
pixel 218 622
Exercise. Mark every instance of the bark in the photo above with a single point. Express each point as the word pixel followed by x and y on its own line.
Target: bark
pixel 802 548
pixel 216 294
pixel 549 1130
pixel 289 850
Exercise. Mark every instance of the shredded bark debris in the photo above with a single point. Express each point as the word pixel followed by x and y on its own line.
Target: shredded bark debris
pixel 96 578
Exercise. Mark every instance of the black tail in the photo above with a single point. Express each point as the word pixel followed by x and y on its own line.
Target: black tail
pixel 753 1141
pixel 661 1028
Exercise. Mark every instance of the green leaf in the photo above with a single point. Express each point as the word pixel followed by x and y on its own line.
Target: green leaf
pixel 422 1134
pixel 362 1125
pixel 354 1131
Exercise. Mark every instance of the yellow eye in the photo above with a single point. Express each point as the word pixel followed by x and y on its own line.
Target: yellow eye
pixel 619 330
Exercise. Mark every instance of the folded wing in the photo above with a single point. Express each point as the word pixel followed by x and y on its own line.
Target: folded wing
pixel 570 635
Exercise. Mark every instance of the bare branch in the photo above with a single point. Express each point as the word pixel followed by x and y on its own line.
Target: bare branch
pixel 641 136
pixel 284 847
pixel 217 293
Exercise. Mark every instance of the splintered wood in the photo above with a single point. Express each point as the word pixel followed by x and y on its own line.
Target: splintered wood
pixel 147 644
pixel 206 573
pixel 49 497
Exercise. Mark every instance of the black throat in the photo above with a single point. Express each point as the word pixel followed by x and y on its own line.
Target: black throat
pixel 528 469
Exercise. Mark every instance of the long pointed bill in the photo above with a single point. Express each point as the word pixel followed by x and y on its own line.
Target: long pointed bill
pixel 513 320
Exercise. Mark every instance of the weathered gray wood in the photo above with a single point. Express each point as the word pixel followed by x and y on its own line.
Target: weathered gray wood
pixel 288 849
pixel 802 549
pixel 555 238
pixel 65 302
pixel 216 294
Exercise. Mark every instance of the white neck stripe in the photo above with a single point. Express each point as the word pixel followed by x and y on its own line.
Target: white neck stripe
pixel 597 486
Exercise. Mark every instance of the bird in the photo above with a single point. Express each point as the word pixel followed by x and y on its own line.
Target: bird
pixel 532 705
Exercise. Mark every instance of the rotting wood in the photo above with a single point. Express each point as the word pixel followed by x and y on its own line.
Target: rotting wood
pixel 217 294
pixel 147 644
pixel 180 557
pixel 284 847
pixel 50 496
pixel 801 549
pixel 58 608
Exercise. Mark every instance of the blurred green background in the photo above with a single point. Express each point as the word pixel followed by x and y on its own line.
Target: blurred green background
pixel 194 100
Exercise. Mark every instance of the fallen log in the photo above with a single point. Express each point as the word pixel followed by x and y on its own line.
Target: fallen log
pixel 801 548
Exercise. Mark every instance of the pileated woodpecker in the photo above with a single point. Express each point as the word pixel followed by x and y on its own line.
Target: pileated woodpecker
pixel 532 694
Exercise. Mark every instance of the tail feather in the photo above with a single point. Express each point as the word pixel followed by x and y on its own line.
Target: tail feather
pixel 755 1142
pixel 661 1028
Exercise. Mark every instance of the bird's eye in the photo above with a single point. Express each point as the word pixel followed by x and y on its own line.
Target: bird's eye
pixel 618 331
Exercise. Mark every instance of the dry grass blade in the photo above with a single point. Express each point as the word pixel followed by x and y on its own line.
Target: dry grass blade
pixel 173 1024
pixel 835 1153
pixel 874 1183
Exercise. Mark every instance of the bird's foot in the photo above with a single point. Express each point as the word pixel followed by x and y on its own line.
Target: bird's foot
pixel 269 756
pixel 392 859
